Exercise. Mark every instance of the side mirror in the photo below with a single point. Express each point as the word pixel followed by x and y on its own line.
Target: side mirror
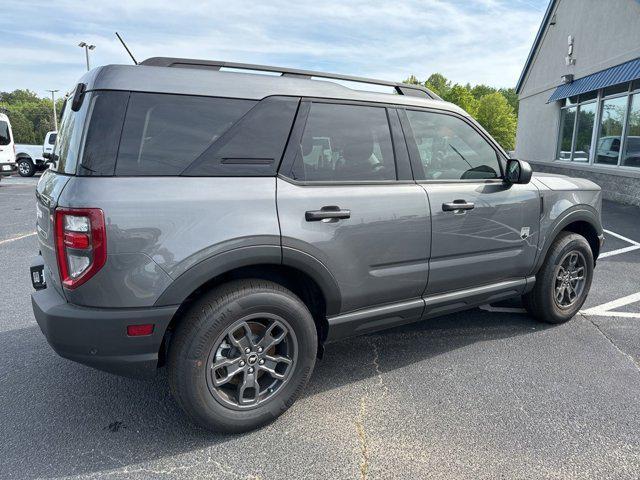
pixel 518 171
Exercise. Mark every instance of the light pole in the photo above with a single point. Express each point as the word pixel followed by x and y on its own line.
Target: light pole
pixel 55 115
pixel 86 47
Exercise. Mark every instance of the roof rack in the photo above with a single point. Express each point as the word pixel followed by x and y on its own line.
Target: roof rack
pixel 400 88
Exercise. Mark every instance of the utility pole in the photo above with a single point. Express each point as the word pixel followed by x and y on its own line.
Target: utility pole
pixel 86 47
pixel 55 114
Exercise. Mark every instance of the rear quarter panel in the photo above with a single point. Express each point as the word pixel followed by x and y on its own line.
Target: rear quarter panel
pixel 160 227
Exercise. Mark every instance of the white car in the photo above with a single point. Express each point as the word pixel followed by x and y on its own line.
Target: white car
pixel 7 148
pixel 35 158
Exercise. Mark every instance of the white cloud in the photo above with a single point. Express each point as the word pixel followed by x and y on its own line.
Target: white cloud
pixel 476 41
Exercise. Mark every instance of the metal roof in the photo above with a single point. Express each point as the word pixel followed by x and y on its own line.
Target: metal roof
pixel 625 72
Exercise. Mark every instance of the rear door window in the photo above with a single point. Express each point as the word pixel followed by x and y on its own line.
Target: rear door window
pixel 163 134
pixel 5 136
pixel 345 143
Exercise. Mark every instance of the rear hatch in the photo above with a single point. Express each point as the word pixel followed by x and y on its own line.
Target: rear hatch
pixel 52 184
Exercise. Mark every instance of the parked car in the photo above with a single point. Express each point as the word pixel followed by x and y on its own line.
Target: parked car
pixel 7 148
pixel 228 225
pixel 35 158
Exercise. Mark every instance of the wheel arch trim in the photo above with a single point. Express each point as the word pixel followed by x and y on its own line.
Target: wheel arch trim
pixel 248 256
pixel 577 213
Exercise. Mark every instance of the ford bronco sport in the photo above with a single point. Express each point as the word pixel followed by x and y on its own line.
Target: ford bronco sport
pixel 228 224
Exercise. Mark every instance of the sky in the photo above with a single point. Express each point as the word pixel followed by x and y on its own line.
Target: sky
pixel 476 41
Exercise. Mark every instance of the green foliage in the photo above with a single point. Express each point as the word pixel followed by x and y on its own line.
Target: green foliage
pixel 463 98
pixel 438 84
pixel 496 110
pixel 31 116
pixel 498 118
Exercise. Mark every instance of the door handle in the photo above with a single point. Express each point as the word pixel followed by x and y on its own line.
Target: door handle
pixel 329 212
pixel 457 205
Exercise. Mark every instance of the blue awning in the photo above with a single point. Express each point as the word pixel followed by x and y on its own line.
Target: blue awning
pixel 622 73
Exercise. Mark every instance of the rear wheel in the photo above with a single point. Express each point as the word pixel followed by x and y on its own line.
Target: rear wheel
pixel 563 282
pixel 242 355
pixel 26 167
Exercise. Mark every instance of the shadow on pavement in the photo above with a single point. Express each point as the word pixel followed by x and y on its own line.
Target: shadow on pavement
pixel 60 418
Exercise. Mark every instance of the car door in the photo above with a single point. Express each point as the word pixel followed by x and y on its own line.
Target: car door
pixel 484 230
pixel 346 197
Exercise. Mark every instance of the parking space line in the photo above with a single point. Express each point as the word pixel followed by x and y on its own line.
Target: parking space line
pixel 607 309
pixel 634 245
pixel 617 235
pixel 13 239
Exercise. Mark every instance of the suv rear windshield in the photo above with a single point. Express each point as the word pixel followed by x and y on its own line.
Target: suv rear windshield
pixel 5 136
pixel 65 153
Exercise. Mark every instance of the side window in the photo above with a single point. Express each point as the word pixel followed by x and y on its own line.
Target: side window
pixel 163 134
pixel 450 149
pixel 52 138
pixel 345 143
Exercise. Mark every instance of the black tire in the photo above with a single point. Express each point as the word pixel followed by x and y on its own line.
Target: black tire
pixel 200 336
pixel 540 301
pixel 26 167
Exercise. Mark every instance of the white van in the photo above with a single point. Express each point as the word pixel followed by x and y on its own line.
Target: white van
pixel 7 148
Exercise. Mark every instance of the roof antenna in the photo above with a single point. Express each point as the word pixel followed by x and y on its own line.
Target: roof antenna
pixel 126 48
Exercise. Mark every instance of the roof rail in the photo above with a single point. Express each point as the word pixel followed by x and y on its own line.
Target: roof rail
pixel 400 88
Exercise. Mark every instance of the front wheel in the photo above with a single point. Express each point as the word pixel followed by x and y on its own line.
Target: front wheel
pixel 563 282
pixel 26 168
pixel 242 355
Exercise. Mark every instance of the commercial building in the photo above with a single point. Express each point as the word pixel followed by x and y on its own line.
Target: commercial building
pixel 579 95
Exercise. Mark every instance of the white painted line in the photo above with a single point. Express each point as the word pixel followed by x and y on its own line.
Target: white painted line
pixel 491 308
pixel 8 240
pixel 620 302
pixel 617 235
pixel 619 251
pixel 607 309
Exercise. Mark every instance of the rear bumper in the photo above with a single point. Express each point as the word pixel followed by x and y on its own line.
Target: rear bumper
pixel 98 337
pixel 7 169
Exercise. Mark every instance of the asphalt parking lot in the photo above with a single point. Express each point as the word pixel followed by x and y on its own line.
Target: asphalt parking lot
pixel 482 394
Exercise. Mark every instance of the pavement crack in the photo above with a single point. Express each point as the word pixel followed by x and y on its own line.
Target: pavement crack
pixel 610 340
pixel 365 453
pixel 362 437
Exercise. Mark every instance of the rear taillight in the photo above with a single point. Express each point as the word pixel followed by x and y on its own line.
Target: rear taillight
pixel 81 244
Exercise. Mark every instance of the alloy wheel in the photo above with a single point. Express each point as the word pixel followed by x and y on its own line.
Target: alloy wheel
pixel 251 361
pixel 569 279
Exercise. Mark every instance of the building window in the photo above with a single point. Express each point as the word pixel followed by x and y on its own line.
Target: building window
pixel 631 155
pixel 567 122
pixel 602 127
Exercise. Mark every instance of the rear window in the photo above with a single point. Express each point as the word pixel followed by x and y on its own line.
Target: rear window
pixel 163 134
pixel 5 136
pixel 52 139
pixel 65 153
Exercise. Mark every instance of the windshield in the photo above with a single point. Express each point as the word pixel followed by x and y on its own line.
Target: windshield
pixel 69 141
pixel 5 136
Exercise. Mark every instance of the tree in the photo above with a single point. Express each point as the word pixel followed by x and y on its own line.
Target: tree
pixel 413 80
pixel 512 97
pixel 480 91
pixel 31 116
pixel 439 84
pixel 498 118
pixel 462 97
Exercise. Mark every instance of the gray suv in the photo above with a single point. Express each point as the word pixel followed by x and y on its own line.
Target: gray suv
pixel 229 224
